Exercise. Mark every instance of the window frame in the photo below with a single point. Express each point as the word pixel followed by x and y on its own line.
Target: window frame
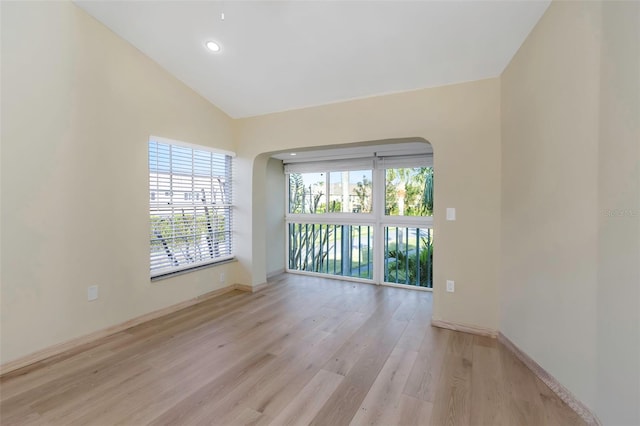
pixel 327 167
pixel 385 163
pixel 377 218
pixel 227 207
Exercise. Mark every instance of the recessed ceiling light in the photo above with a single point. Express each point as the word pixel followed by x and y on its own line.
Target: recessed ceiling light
pixel 293 153
pixel 212 46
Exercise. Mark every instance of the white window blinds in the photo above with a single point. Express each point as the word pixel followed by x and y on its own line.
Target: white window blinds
pixel 190 207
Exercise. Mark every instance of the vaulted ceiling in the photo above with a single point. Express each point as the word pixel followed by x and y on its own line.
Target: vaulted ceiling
pixel 282 55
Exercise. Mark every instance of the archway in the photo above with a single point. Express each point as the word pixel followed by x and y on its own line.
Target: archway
pixel 355 223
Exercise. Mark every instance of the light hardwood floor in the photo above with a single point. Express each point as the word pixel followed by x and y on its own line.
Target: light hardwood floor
pixel 303 351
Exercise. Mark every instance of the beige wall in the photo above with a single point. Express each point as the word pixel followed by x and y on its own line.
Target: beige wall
pixel 569 281
pixel 78 106
pixel 618 338
pixel 549 195
pixel 274 212
pixel 461 122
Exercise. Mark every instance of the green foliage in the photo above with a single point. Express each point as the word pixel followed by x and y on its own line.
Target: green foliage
pixel 410 266
pixel 335 206
pixel 309 246
pixel 320 248
pixel 428 192
pixel 418 186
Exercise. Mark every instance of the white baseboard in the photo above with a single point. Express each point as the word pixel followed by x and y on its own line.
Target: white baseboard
pixel 275 273
pixel 60 348
pixel 563 393
pixel 465 328
pixel 251 289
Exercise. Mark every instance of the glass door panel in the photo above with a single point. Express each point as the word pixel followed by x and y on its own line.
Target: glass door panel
pixel 345 250
pixel 408 256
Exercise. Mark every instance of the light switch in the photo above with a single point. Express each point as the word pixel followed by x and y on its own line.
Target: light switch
pixel 92 292
pixel 451 213
pixel 451 286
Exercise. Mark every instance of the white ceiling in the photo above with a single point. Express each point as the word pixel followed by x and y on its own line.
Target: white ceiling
pixel 282 55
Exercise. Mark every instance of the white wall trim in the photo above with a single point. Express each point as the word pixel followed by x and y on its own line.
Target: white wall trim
pixel 465 328
pixel 330 276
pixel 271 275
pixel 407 286
pixel 72 344
pixel 563 393
pixel 251 289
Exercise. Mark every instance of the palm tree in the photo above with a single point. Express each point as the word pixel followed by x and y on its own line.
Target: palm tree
pixel 418 185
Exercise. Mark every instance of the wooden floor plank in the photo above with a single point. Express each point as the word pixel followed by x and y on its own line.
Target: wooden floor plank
pixel 308 402
pixel 451 405
pixel 525 406
pixel 362 341
pixel 555 411
pixel 487 394
pixel 425 374
pixel 305 350
pixel 412 412
pixel 243 417
pixel 188 408
pixel 274 397
pixel 383 399
pixel 344 403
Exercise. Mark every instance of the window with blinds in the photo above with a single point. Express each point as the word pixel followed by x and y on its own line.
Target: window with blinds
pixel 190 206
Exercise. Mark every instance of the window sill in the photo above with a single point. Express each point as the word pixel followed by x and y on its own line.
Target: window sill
pixel 195 268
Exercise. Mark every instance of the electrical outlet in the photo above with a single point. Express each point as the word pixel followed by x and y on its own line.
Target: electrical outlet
pixel 92 292
pixel 223 278
pixel 451 286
